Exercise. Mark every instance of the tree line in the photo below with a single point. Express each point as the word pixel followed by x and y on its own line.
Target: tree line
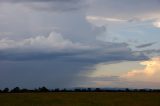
pixel 44 89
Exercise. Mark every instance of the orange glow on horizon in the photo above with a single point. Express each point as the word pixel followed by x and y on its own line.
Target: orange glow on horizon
pixel 152 68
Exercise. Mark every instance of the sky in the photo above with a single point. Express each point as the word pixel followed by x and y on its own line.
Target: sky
pixel 80 43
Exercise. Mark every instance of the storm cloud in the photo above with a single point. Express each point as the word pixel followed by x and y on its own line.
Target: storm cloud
pixel 49 42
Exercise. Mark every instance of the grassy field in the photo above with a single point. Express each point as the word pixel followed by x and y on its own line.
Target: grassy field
pixel 80 99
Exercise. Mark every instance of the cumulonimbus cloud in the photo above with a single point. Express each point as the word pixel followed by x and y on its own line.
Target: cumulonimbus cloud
pixel 54 42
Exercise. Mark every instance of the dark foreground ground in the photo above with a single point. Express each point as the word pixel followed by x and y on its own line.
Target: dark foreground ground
pixel 81 99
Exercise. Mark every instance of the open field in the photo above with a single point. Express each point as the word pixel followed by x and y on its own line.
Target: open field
pixel 80 99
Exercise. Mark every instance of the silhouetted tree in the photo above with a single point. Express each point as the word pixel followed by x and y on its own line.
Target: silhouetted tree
pixel 43 89
pixel 77 90
pixel 35 90
pixel 57 90
pixel 25 90
pixel 6 90
pixel 16 90
pixel 64 90
pixel 89 89
pixel 84 90
pixel 127 90
pixel 97 90
pixel 142 90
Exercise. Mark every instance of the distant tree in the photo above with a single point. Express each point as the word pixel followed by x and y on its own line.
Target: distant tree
pixel 57 90
pixel 77 90
pixel 16 90
pixel 6 90
pixel 97 90
pixel 35 90
pixel 127 90
pixel 24 90
pixel 142 90
pixel 89 89
pixel 64 90
pixel 43 89
pixel 135 90
pixel 84 90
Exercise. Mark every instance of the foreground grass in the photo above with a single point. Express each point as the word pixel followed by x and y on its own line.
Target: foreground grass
pixel 81 99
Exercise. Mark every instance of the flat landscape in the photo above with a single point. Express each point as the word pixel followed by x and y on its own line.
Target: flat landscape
pixel 81 99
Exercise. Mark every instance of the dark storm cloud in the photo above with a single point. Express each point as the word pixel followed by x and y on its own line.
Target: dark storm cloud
pixel 30 74
pixel 60 69
pixel 30 60
pixel 105 52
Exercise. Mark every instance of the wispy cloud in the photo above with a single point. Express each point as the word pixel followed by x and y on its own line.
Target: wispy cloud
pixel 145 45
pixel 100 18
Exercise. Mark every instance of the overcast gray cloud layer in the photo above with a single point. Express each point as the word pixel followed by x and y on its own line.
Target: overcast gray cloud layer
pixel 50 5
pixel 126 8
